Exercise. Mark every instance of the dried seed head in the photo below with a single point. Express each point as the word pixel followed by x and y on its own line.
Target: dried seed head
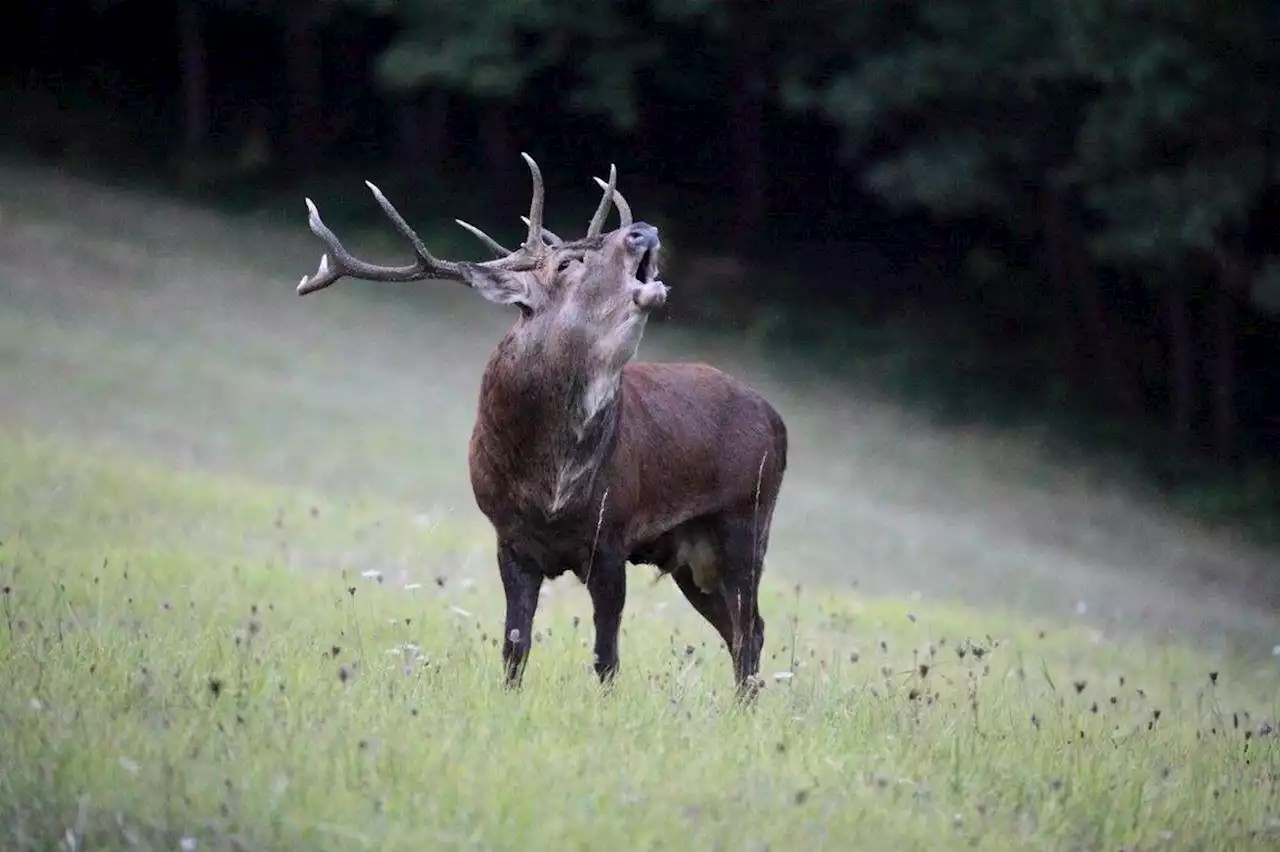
pixel 514 635
pixel 215 686
pixel 1213 677
pixel 1080 685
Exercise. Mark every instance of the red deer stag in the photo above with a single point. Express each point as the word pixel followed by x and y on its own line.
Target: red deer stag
pixel 584 460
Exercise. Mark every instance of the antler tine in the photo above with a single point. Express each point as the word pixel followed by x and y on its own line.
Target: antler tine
pixel 403 227
pixel 624 209
pixel 602 211
pixel 549 237
pixel 337 262
pixel 533 242
pixel 494 246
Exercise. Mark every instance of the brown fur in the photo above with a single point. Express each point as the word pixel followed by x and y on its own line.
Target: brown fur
pixel 681 442
pixel 685 468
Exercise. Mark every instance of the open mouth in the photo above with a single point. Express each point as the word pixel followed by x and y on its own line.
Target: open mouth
pixel 647 269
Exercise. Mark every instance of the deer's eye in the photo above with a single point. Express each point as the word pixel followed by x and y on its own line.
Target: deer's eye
pixel 564 265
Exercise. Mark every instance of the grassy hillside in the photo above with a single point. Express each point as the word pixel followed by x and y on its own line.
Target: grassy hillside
pixel 129 321
pixel 166 684
pixel 249 602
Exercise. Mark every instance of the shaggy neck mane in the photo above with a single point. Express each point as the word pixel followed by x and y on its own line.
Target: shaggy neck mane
pixel 548 422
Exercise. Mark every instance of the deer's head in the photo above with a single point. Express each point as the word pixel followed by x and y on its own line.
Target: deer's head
pixel 594 292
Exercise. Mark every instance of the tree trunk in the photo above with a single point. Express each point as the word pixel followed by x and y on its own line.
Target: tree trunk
pixel 1224 373
pixel 1235 284
pixel 501 157
pixel 195 81
pixel 422 120
pixel 1113 372
pixel 49 38
pixel 304 82
pixel 1065 320
pixel 1182 364
pixel 746 119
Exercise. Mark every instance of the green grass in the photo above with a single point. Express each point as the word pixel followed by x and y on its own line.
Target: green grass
pixel 191 656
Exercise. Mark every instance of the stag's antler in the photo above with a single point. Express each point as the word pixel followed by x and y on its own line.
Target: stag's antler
pixel 533 243
pixel 611 193
pixel 337 262
pixel 602 211
pixel 494 246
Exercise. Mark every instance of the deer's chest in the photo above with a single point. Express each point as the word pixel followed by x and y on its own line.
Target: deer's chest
pixel 555 546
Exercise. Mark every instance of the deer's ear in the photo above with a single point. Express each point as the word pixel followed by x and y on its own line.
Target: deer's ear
pixel 497 285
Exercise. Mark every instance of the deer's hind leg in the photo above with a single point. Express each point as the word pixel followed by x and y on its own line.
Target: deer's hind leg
pixel 721 581
pixel 742 544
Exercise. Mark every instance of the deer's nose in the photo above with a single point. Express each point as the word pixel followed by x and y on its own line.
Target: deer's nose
pixel 642 236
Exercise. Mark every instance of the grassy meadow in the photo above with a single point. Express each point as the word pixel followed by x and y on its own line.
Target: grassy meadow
pixel 248 603
pixel 164 687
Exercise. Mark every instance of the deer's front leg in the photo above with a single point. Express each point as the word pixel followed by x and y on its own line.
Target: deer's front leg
pixel 607 583
pixel 521 586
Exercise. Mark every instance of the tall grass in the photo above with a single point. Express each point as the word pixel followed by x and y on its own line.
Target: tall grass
pixel 166 689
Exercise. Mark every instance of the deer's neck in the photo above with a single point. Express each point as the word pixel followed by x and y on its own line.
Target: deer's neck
pixel 546 427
